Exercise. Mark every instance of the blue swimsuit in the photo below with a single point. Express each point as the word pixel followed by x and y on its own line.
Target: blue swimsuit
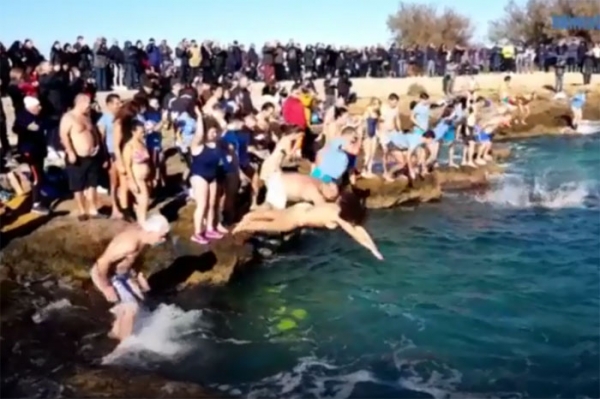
pixel 206 164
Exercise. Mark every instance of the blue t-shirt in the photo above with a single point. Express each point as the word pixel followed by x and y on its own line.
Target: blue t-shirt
pixel 441 129
pixel 187 126
pixel 240 140
pixel 413 140
pixel 334 161
pixel 578 100
pixel 106 121
pixel 421 115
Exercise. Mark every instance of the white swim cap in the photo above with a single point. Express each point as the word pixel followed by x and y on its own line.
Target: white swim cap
pixel 156 223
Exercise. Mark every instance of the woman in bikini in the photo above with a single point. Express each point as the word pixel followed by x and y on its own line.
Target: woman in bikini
pixel 206 157
pixel 136 159
pixel 122 130
pixel 371 118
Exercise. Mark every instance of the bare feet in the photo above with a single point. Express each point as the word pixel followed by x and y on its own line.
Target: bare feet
pixel 453 165
pixel 367 175
pixel 117 215
pixel 388 177
pixel 480 162
pixel 221 229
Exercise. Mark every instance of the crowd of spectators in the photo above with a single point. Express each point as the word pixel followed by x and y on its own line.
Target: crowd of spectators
pixel 111 65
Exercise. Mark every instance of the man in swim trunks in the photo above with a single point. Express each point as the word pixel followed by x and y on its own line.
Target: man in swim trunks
pixel 284 187
pixel 337 157
pixel 483 135
pixel 325 215
pixel 408 151
pixel 390 122
pixel 113 274
pixel 82 144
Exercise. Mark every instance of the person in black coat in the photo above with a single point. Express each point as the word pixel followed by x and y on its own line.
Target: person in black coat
pixel 57 56
pixel 117 60
pixel 4 70
pixel 15 54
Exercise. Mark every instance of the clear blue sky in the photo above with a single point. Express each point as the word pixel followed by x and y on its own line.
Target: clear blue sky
pixel 248 21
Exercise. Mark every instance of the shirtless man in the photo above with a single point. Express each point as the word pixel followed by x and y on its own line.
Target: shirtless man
pixel 484 135
pixel 390 123
pixel 84 162
pixel 114 276
pixel 325 215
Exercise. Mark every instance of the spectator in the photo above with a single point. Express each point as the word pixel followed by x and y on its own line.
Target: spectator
pixel 32 147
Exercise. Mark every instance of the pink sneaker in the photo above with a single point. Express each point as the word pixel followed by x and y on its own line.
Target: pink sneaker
pixel 213 235
pixel 199 239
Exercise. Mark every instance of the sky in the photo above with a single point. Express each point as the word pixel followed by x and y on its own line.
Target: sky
pixel 349 22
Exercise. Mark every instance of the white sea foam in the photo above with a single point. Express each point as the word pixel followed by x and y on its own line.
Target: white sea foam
pixel 515 191
pixel 310 378
pixel 157 335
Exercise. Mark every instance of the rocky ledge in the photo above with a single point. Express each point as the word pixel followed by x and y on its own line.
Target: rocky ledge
pixel 60 356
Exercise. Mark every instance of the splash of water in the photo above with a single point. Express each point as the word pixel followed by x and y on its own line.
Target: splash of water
pixel 515 191
pixel 157 335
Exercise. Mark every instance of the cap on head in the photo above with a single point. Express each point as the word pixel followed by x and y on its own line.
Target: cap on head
pixel 156 223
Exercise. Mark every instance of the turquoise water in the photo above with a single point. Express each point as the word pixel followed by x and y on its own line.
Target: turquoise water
pixel 491 294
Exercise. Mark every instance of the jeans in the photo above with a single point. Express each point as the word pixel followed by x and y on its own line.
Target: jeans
pixel 117 75
pixel 129 77
pixel 558 83
pixel 430 68
pixel 587 78
pixel 402 68
pixel 100 76
pixel 53 135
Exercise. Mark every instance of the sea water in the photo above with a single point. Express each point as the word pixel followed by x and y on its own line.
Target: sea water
pixel 489 294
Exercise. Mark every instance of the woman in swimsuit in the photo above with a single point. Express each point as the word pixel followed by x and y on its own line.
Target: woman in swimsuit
pixel 186 126
pixel 136 160
pixel 371 117
pixel 122 129
pixel 206 156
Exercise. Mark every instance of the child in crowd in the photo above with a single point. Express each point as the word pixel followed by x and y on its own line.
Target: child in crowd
pixel 206 156
pixel 154 125
pixel 187 124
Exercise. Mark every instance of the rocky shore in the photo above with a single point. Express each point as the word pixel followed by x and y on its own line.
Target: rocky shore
pixel 57 353
pixel 51 353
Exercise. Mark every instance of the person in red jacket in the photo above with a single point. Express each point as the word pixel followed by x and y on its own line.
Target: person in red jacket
pixel 27 84
pixel 293 112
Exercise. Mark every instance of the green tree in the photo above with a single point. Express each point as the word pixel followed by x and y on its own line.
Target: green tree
pixel 422 24
pixel 532 22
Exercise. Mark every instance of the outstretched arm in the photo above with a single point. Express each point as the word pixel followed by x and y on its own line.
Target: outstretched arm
pixel 360 235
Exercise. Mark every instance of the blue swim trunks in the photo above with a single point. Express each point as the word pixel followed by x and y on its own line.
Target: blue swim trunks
pixel 483 137
pixel 154 141
pixel 317 174
pixel 450 135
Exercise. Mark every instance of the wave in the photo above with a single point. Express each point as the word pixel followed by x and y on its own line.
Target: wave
pixel 158 335
pixel 515 191
pixel 413 372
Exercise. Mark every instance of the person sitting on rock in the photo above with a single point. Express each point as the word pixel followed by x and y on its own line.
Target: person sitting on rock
pixel 114 276
pixel 302 215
